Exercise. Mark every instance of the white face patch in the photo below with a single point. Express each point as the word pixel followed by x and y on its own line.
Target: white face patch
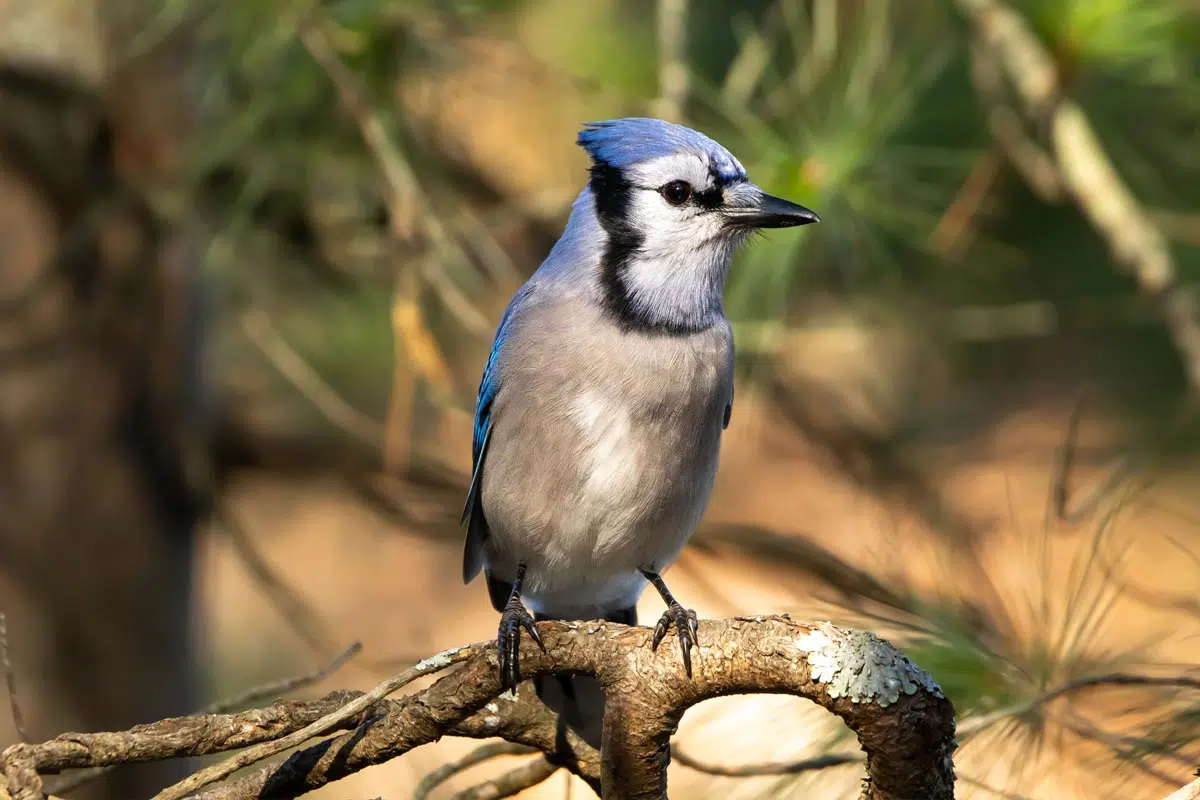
pixel 690 167
pixel 679 271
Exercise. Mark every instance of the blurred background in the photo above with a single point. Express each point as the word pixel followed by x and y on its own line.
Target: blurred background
pixel 252 257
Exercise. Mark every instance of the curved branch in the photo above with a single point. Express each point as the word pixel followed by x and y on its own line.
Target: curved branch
pixel 474 758
pixel 856 675
pixel 511 783
pixel 904 723
pixel 771 768
pixel 359 707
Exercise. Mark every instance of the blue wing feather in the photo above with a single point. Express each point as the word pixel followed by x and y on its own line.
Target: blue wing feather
pixel 489 387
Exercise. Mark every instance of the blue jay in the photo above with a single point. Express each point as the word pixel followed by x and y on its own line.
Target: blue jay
pixel 608 386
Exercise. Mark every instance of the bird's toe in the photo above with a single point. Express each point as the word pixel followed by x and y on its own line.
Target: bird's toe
pixel 686 625
pixel 660 630
pixel 513 620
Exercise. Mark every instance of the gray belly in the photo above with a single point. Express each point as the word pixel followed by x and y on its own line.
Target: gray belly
pixel 589 485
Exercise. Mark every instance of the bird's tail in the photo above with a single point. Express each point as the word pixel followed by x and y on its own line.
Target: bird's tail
pixel 578 699
pixel 579 702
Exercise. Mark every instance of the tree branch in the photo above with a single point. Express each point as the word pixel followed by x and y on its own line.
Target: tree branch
pixel 512 782
pixel 813 764
pixel 260 693
pixel 10 682
pixel 903 722
pixel 359 707
pixel 474 758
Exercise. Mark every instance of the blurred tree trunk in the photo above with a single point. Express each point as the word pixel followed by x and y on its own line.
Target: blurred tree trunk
pixel 101 407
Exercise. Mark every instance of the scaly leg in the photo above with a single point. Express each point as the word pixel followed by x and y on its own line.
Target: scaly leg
pixel 508 642
pixel 684 620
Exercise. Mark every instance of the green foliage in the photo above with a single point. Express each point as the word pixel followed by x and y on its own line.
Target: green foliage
pixel 975 679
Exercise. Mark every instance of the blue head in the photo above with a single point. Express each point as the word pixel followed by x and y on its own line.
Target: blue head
pixel 673 205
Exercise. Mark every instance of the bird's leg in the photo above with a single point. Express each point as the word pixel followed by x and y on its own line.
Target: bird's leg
pixel 684 620
pixel 508 643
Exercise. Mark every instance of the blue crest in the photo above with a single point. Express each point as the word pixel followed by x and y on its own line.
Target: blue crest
pixel 620 143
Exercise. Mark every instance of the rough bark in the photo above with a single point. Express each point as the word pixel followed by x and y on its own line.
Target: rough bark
pixel 903 722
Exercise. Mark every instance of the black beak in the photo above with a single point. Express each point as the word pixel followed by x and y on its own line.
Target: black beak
pixel 772 212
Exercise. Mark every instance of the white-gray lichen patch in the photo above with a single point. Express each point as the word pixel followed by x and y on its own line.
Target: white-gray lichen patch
pixel 861 666
pixel 437 662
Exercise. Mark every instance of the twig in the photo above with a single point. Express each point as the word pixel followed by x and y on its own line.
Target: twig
pixel 267 691
pixel 1131 749
pixel 1060 501
pixel 300 616
pixel 1124 469
pixel 261 692
pixel 974 725
pixel 1185 602
pixel 947 235
pixel 477 756
pixel 179 737
pixel 405 197
pixel 10 682
pixel 526 776
pixel 408 329
pixel 849 581
pixel 770 768
pixel 259 330
pixel 528 721
pixel 323 725
pixel 411 335
pixel 1024 154
pixel 308 623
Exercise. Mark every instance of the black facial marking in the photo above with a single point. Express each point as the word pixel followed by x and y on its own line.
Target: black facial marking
pixel 714 197
pixel 613 196
pixel 710 199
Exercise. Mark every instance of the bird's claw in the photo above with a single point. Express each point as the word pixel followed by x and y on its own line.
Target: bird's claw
pixel 508 642
pixel 685 622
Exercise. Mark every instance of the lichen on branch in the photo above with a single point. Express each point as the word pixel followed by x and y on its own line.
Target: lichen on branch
pixel 903 721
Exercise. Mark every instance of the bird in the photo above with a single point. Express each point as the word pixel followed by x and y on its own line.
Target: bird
pixel 605 395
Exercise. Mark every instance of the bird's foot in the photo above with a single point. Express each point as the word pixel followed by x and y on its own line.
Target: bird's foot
pixel 685 622
pixel 514 618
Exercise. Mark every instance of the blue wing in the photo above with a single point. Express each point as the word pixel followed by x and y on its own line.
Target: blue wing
pixel 489 387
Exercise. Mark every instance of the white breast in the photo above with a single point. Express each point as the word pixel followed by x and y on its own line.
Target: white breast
pixel 610 452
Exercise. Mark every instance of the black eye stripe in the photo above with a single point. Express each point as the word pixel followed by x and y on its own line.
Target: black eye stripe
pixel 710 199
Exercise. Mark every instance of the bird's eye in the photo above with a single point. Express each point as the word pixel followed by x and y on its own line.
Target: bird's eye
pixel 677 192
